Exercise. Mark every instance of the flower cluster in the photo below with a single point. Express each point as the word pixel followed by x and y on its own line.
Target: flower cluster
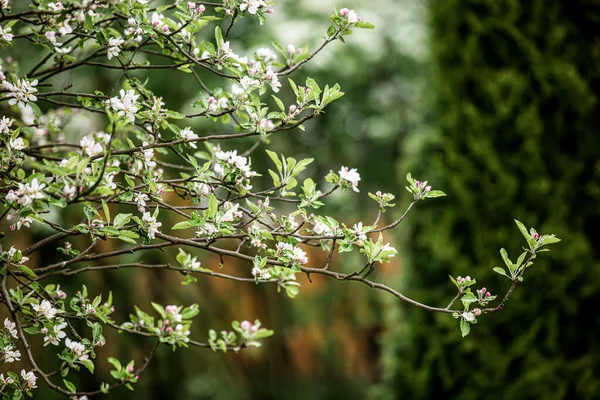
pixel 232 168
pixel 350 178
pixel 22 92
pixel 27 193
pixel 125 105
pixel 290 255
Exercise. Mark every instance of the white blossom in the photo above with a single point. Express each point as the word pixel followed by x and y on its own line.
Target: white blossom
pixel 5 34
pixel 266 54
pixel 5 124
pixel 11 327
pixel 45 309
pixel 468 316
pixel 351 176
pixel 148 155
pixel 56 335
pixel 140 199
pixel 22 92
pixel 9 355
pixel 126 104
pixel 8 380
pixel 352 17
pixel 56 6
pixel 252 5
pixel 76 348
pixel 151 224
pixel 114 47
pixel 175 312
pixel 17 144
pixel 359 231
pixel 64 28
pixel 261 273
pixel 273 79
pixel 188 134
pixel 89 146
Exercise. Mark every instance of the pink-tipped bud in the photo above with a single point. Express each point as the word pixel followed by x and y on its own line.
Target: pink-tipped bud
pixel 228 12
pixel 344 12
pixel 477 312
pixel 190 5
pixel 201 8
pixel 130 369
pixel 165 28
pixel 253 328
pixel 488 294
pixel 536 236
pixel 271 10
pixel 293 108
pixel 245 325
pixel 169 329
pixel 468 278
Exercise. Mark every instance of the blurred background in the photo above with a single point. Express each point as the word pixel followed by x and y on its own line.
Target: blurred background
pixel 494 102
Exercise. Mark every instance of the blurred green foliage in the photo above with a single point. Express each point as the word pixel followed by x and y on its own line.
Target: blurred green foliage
pixel 516 87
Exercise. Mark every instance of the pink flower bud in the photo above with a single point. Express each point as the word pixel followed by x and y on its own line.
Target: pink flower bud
pixel 201 8
pixel 169 329
pixel 271 10
pixel 190 5
pixel 344 12
pixel 228 12
pixel 488 294
pixel 477 312
pixel 130 368
pixel 536 236
pixel 253 328
pixel 293 108
pixel 245 325
pixel 468 278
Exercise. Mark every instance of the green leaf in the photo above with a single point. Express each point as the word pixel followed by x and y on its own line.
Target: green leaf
pixel 70 386
pixel 213 206
pixel 530 240
pixel 292 291
pixel 126 239
pixel 468 298
pixel 115 363
pixel 364 25
pixel 435 193
pixel 507 261
pixel 88 364
pixel 183 225
pixel 279 103
pixel 501 271
pixel 275 159
pixel 106 211
pixel 550 239
pixel 27 270
pixel 219 37
pixel 121 219
pixel 465 328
